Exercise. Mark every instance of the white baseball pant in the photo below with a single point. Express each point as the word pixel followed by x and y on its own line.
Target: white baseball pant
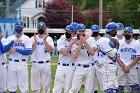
pixel 107 76
pixel 17 76
pixel 41 74
pixel 2 78
pixel 63 78
pixel 87 74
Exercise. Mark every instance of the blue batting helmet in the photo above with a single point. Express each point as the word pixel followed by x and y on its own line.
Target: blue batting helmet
pixel 81 27
pixel 70 28
pixel 19 23
pixel 128 29
pixel 111 26
pixel 95 28
pixel 41 25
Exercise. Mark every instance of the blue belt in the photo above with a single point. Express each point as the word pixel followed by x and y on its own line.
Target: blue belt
pixel 40 62
pixel 64 64
pixel 86 66
pixel 17 60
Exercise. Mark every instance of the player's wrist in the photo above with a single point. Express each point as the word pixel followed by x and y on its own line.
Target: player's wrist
pixel 44 40
pixel 35 41
pixel 122 66
pixel 78 48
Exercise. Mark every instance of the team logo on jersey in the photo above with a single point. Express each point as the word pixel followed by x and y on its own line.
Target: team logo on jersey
pixel 40 43
pixel 19 44
pixel 128 50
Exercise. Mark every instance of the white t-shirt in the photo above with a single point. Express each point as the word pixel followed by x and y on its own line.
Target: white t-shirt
pixel 25 44
pixel 40 52
pixel 128 52
pixel 84 57
pixel 3 56
pixel 103 47
pixel 62 43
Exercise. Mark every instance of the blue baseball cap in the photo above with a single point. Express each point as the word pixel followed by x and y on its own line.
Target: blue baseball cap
pixel 19 23
pixel 95 28
pixel 128 29
pixel 120 25
pixel 70 28
pixel 111 26
pixel 81 27
pixel 74 24
pixel 41 25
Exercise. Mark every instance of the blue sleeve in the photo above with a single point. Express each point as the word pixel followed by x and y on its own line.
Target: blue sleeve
pixel 24 52
pixel 7 47
pixel 1 48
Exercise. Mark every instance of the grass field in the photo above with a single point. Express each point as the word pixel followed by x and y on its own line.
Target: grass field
pixel 53 69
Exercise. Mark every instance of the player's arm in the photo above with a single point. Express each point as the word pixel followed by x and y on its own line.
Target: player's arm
pixel 28 48
pixel 109 51
pixel 134 62
pixel 116 43
pixel 7 47
pixel 34 46
pixel 34 42
pixel 76 52
pixel 1 47
pixel 47 46
pixel 66 50
pixel 24 51
pixel 90 50
pixel 121 64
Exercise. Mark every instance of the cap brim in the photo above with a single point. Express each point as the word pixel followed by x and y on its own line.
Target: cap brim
pixel 81 30
pixel 95 30
pixel 128 31
pixel 108 30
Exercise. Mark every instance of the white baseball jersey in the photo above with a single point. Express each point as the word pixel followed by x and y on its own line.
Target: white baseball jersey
pixel 61 44
pixel 18 71
pixel 128 52
pixel 40 53
pixel 25 44
pixel 103 47
pixel 84 57
pixel 3 57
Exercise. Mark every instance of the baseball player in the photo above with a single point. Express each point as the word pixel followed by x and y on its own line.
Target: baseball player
pixel 107 50
pixel 42 46
pixel 128 57
pixel 83 52
pixel 95 33
pixel 19 46
pixel 66 66
pixel 120 31
pixel 105 67
pixel 2 65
